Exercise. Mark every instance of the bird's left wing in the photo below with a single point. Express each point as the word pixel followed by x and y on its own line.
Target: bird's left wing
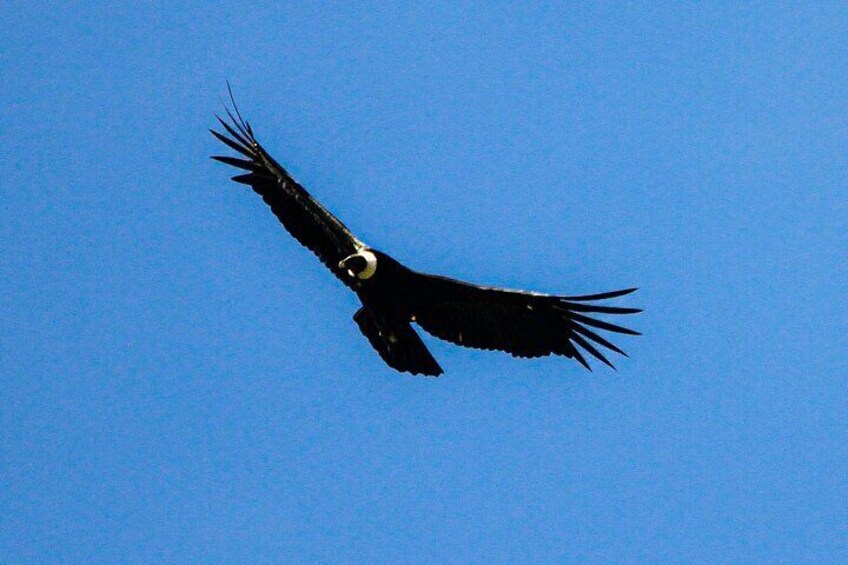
pixel 303 216
pixel 522 323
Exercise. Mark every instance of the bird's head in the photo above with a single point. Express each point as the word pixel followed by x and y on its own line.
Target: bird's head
pixel 360 265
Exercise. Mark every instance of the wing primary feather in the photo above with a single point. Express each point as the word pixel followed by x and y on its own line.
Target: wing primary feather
pixel 233 132
pixel 597 339
pixel 250 145
pixel 240 122
pixel 602 325
pixel 598 309
pixel 594 352
pixel 238 163
pixel 601 296
pixel 237 123
pixel 252 179
pixel 582 360
pixel 249 179
pixel 231 144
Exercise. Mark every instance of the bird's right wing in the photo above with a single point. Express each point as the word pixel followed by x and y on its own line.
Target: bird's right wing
pixel 303 216
pixel 524 324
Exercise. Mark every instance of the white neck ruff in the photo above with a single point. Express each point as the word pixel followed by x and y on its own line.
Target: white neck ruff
pixel 370 264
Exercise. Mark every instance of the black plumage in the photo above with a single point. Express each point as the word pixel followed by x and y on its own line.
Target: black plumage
pixel 524 324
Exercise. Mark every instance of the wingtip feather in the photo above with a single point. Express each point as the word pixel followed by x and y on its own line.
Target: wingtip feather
pixel 580 359
pixel 602 295
pixel 601 324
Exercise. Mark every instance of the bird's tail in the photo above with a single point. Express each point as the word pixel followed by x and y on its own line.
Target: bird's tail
pixel 399 346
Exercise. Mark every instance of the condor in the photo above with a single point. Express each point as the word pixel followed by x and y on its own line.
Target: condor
pixel 393 296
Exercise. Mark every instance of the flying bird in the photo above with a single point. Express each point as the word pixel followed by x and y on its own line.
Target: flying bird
pixel 393 296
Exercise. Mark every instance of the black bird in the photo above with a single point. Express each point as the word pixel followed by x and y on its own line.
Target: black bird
pixel 524 324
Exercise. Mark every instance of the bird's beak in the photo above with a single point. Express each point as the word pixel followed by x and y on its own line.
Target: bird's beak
pixel 343 267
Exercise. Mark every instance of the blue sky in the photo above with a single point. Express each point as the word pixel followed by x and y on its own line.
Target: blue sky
pixel 181 382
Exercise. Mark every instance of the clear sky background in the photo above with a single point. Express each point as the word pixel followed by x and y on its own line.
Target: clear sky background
pixel 181 382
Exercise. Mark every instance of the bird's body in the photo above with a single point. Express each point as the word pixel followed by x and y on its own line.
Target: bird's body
pixel 393 296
